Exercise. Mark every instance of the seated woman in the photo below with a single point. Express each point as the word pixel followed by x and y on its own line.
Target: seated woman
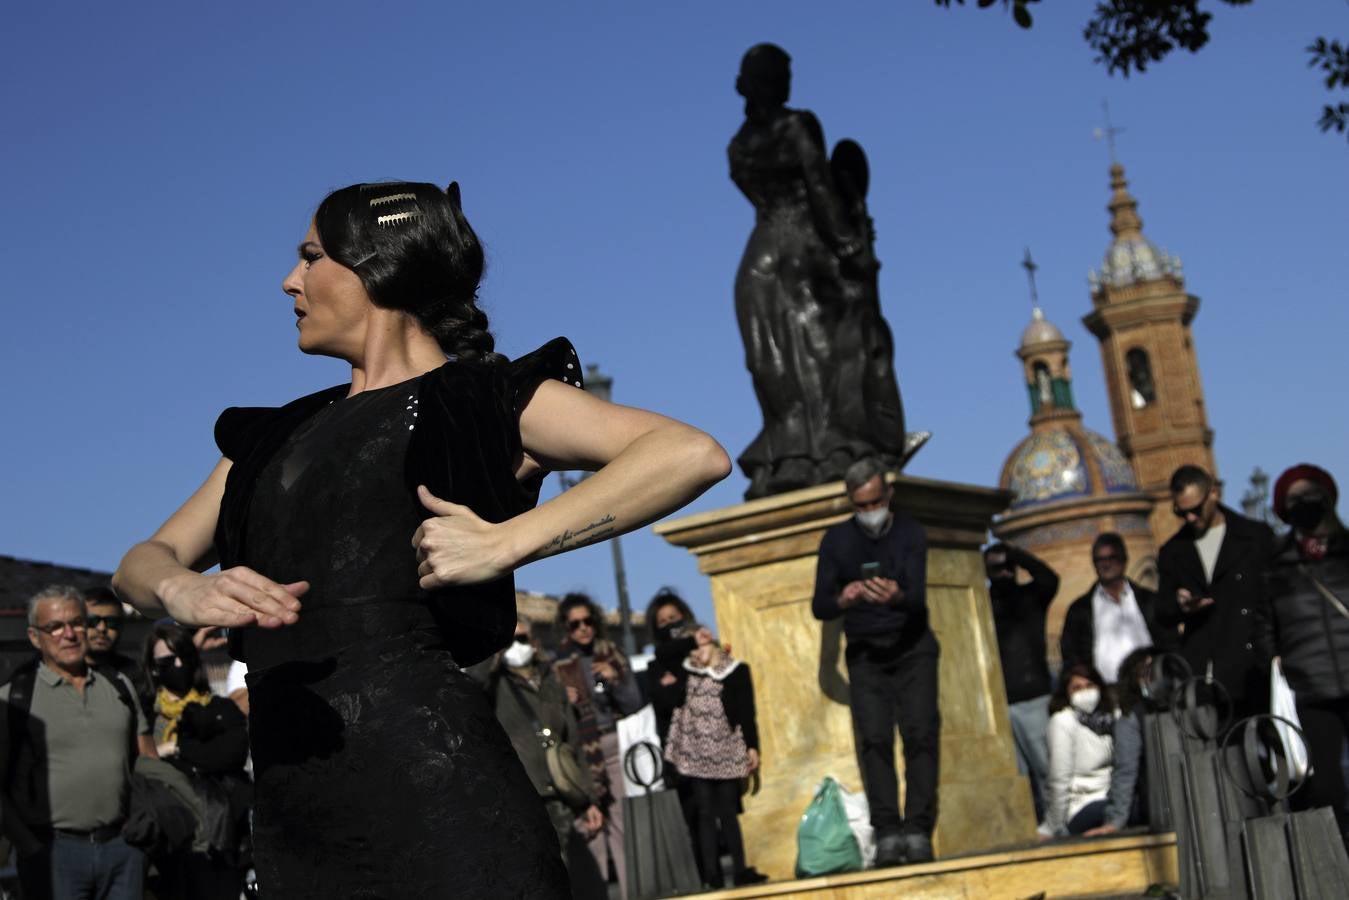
pixel 1081 753
pixel 206 738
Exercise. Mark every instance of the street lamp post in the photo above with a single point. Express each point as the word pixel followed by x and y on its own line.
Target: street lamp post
pixel 600 386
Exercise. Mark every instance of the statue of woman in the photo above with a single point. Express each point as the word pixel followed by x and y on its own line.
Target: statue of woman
pixel 805 295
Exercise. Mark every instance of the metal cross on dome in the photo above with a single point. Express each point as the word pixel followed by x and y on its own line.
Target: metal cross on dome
pixel 1108 132
pixel 1029 265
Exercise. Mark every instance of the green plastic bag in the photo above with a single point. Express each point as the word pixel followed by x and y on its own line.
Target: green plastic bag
pixel 824 841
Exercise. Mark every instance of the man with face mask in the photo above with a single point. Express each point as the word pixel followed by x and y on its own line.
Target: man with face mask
pixel 1309 589
pixel 1019 620
pixel 872 571
pixel 533 709
pixel 1212 582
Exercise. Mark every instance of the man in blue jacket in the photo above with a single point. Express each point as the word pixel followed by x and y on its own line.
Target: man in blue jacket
pixel 872 571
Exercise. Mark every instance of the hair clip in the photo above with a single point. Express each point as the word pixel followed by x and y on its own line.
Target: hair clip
pixel 395 218
pixel 365 259
pixel 392 198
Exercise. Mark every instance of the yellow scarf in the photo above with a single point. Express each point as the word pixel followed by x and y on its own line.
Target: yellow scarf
pixel 170 710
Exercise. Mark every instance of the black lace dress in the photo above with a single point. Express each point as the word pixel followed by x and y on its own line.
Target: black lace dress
pixel 381 769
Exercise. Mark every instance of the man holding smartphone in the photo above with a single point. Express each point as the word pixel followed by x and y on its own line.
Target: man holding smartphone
pixel 872 571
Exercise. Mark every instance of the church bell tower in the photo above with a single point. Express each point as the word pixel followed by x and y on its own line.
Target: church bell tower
pixel 1141 315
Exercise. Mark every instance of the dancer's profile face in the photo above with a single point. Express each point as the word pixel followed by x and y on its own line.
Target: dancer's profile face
pixel 331 305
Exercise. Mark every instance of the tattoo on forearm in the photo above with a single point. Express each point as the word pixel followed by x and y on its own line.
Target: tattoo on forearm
pixel 596 531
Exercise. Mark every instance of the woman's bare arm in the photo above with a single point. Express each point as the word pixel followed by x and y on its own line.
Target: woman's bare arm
pixel 162 575
pixel 646 466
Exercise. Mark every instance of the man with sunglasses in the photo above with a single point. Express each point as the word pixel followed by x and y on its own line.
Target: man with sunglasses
pixel 1114 618
pixel 70 735
pixel 1213 589
pixel 104 624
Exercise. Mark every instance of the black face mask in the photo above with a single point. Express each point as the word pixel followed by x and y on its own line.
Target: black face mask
pixel 177 679
pixel 667 633
pixel 1306 513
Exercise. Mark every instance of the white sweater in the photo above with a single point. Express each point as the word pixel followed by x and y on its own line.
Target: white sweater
pixel 1080 761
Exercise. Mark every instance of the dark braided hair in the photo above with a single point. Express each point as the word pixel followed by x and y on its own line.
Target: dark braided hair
pixel 414 251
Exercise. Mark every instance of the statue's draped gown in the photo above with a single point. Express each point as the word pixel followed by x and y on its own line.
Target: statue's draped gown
pixel 816 345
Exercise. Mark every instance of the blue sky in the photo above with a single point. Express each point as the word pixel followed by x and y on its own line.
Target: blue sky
pixel 162 161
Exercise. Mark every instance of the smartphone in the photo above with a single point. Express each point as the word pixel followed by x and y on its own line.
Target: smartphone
pixel 871 570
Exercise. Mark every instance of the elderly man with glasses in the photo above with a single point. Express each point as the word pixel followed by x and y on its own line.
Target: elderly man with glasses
pixel 1114 618
pixel 1213 587
pixel 70 735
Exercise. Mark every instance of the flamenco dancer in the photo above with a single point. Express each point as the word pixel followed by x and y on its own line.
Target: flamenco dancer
pixel 367 535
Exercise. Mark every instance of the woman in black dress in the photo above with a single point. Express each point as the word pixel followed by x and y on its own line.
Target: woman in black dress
pixel 367 536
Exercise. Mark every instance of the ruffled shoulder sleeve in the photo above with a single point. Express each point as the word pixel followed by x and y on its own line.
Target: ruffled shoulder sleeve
pixel 556 359
pixel 240 428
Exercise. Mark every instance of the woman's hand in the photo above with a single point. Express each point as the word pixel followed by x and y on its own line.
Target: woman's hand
pixel 604 670
pixel 209 638
pixel 233 598
pixel 456 546
pixel 1101 831
pixel 753 759
pixel 703 636
pixel 592 820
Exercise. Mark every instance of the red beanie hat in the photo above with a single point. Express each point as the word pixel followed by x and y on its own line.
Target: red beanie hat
pixel 1307 472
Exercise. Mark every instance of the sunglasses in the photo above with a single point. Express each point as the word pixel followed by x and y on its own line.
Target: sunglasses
pixel 55 628
pixel 1196 510
pixel 573 624
pixel 112 623
pixel 1105 558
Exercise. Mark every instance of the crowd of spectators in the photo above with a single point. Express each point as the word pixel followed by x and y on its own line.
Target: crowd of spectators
pixel 126 773
pixel 1236 602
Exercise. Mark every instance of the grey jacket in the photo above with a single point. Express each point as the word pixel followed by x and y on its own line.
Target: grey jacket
pixel 546 706
pixel 1128 765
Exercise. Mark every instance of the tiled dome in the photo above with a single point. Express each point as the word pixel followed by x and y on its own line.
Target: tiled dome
pixel 1065 463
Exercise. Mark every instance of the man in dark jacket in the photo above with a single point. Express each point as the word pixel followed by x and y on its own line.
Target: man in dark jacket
pixel 1019 620
pixel 1114 618
pixel 872 571
pixel 1309 590
pixel 1213 584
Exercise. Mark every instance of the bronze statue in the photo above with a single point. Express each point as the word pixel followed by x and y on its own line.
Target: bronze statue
pixel 816 345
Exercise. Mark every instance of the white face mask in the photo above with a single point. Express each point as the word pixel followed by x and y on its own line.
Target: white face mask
pixel 1086 700
pixel 873 520
pixel 518 655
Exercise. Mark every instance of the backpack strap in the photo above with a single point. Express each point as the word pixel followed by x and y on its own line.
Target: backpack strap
pixel 124 694
pixel 20 702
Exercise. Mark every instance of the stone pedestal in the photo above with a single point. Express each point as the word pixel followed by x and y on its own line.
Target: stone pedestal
pixel 761 559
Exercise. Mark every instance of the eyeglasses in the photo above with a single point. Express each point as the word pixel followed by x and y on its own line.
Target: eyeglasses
pixel 522 639
pixel 112 623
pixel 573 624
pixel 55 628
